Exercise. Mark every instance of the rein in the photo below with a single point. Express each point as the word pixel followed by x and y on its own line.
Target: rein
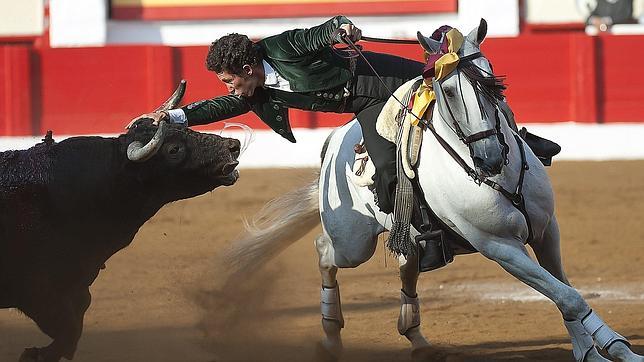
pixel 516 197
pixel 390 41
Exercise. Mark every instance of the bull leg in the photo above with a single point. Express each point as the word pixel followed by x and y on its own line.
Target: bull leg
pixel 548 253
pixel 330 348
pixel 61 318
pixel 409 317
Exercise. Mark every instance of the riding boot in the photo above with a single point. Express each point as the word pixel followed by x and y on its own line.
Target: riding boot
pixel 543 148
pixel 385 189
pixel 434 249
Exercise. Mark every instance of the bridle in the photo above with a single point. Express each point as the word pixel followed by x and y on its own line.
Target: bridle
pixel 456 128
pixel 516 197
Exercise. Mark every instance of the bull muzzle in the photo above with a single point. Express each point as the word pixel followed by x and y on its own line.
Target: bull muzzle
pixel 229 167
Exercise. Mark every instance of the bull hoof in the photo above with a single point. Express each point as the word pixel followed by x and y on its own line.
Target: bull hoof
pixel 322 354
pixel 428 354
pixel 31 355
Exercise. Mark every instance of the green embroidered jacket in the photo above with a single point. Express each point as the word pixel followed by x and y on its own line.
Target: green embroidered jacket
pixel 316 74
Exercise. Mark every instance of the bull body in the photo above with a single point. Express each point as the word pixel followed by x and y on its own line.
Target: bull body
pixel 66 208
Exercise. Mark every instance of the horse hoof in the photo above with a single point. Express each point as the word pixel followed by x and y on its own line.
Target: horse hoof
pixel 323 354
pixel 31 355
pixel 428 354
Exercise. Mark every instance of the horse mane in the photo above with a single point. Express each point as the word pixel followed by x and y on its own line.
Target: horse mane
pixel 488 84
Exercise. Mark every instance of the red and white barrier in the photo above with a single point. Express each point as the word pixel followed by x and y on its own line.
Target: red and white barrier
pixel 579 141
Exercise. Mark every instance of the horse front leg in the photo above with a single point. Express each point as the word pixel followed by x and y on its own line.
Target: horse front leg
pixel 409 317
pixel 330 349
pixel 581 331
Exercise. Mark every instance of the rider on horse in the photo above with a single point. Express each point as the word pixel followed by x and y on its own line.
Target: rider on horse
pixel 300 69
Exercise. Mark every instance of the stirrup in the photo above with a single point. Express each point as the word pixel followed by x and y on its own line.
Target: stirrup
pixel 436 253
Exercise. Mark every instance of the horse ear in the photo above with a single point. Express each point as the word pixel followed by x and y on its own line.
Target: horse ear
pixel 477 35
pixel 430 45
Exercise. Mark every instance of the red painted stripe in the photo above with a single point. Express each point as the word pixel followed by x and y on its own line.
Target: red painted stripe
pixel 15 90
pixel 283 10
pixel 25 39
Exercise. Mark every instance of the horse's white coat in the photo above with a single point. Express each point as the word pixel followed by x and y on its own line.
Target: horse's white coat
pixel 482 215
pixel 351 221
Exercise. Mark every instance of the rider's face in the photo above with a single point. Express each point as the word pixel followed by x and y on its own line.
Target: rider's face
pixel 242 84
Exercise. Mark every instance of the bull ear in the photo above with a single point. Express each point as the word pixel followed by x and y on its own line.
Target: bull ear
pixel 430 45
pixel 477 35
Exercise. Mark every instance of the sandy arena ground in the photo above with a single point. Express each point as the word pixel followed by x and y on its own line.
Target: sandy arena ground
pixel 158 299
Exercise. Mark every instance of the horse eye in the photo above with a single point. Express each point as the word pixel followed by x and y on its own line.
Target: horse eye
pixel 449 92
pixel 174 150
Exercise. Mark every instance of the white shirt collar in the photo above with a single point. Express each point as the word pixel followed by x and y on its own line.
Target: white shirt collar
pixel 270 74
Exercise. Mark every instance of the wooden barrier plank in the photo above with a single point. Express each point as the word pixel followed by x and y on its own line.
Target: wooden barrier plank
pixel 15 90
pixel 551 78
pixel 98 90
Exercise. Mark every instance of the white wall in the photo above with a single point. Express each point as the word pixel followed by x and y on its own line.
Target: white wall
pixel 21 17
pixel 83 22
pixel 77 23
pixel 566 11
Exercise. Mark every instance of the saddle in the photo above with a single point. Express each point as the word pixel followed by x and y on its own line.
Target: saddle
pixel 436 243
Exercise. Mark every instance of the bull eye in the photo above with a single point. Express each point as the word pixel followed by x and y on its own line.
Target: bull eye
pixel 175 152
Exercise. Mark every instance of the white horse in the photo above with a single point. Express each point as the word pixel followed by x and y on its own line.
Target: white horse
pixel 484 216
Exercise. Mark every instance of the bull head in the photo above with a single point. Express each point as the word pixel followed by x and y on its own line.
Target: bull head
pixel 136 151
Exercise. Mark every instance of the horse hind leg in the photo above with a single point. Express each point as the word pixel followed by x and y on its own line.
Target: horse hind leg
pixel 581 331
pixel 409 317
pixel 330 348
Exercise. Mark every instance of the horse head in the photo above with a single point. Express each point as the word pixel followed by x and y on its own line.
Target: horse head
pixel 467 94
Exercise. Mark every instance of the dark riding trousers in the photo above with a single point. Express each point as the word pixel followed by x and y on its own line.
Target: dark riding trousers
pixel 368 97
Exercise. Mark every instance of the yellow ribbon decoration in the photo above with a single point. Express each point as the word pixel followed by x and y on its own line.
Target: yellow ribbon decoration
pixel 423 98
pixel 443 66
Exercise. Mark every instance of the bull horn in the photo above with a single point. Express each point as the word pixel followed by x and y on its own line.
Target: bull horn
pixel 137 152
pixel 174 99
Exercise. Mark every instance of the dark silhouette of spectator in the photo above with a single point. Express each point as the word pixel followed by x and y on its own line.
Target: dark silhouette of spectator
pixel 610 12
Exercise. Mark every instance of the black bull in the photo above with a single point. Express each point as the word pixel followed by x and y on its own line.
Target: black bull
pixel 65 208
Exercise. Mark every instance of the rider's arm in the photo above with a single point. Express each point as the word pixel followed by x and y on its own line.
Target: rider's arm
pixel 212 110
pixel 299 42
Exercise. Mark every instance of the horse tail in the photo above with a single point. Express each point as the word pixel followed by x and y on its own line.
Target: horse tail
pixel 279 224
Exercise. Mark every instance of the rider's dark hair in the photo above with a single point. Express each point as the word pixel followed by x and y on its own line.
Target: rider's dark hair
pixel 231 52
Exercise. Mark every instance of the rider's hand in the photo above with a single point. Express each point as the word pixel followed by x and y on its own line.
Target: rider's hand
pixel 155 116
pixel 352 32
